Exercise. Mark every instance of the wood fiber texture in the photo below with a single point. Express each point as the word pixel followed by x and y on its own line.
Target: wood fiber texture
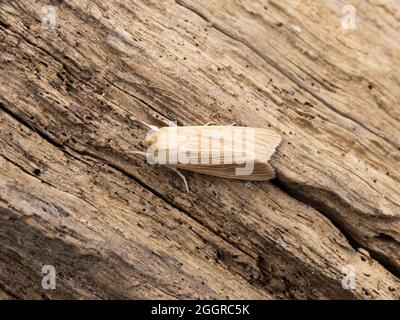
pixel 72 194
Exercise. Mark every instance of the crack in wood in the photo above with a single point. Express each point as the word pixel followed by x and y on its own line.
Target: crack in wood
pixel 332 216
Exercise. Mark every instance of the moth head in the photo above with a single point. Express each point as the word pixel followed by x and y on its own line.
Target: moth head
pixel 151 138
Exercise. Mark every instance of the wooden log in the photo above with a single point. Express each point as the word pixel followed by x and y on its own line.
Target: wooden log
pixel 75 197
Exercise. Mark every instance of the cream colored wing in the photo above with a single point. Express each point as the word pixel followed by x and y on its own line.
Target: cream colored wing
pixel 224 151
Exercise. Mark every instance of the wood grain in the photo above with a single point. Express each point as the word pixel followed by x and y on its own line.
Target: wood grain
pixel 74 196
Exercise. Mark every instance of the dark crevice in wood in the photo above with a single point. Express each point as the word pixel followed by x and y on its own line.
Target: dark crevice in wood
pixel 139 99
pixel 4 25
pixel 25 123
pixel 332 216
pixel 50 54
pixel 343 230
pixel 19 166
pixel 284 72
pixel 8 292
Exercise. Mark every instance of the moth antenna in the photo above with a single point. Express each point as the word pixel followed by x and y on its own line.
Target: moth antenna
pixel 151 127
pixel 155 128
pixel 182 176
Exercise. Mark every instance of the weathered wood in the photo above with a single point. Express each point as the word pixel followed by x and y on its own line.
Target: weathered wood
pixel 73 195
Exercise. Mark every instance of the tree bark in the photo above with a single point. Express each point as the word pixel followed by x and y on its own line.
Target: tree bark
pixel 74 196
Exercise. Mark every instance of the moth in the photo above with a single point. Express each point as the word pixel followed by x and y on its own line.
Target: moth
pixel 224 151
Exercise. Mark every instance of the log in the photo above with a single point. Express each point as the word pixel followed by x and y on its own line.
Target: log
pixel 74 196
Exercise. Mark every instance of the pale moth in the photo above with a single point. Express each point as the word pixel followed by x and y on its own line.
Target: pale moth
pixel 224 151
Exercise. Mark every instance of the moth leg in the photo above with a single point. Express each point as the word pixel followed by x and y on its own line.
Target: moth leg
pixel 232 124
pixel 182 176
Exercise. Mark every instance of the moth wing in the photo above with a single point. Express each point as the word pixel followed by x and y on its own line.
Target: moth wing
pixel 260 172
pixel 226 159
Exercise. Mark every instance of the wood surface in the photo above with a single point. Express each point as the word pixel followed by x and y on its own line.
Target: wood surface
pixel 74 196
